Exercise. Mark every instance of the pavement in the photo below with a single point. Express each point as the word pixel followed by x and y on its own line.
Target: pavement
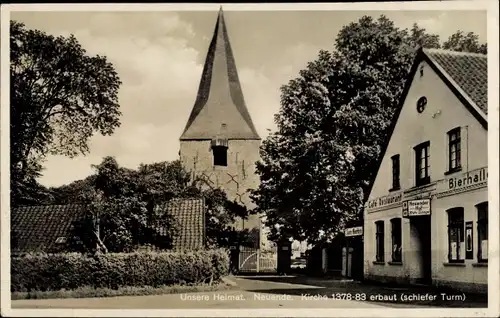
pixel 261 292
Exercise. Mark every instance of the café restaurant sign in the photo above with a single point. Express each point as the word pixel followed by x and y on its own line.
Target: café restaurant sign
pixel 384 201
pixel 353 231
pixel 417 207
pixel 468 180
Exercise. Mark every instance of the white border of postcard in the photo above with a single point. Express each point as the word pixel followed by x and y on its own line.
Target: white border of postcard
pixel 493 115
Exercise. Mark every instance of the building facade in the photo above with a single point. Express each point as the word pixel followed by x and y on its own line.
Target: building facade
pixel 220 144
pixel 426 219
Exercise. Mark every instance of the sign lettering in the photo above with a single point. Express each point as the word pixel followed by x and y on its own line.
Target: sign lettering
pixel 470 178
pixel 354 231
pixel 383 201
pixel 419 207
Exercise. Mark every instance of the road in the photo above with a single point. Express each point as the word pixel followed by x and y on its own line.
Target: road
pixel 249 292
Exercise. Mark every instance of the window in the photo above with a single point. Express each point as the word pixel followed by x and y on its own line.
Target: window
pixel 396 240
pixel 220 155
pixel 422 163
pixel 454 163
pixel 456 242
pixel 380 240
pixel 395 172
pixel 482 232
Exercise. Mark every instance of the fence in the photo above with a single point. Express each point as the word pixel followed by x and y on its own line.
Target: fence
pixel 257 261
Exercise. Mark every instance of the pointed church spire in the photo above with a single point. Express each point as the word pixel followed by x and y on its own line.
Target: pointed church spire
pixel 220 101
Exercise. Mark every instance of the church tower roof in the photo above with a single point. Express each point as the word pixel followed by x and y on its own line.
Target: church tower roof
pixel 220 109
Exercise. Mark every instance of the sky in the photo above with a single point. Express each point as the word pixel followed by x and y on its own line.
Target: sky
pixel 159 57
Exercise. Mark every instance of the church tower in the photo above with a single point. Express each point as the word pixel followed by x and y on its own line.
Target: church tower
pixel 220 143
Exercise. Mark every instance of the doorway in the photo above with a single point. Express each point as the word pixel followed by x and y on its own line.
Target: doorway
pixel 422 226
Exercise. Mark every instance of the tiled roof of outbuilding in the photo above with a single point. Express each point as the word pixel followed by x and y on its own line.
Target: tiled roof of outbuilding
pixel 190 217
pixel 37 228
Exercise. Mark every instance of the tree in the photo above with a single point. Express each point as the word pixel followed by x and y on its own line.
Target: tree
pixel 316 168
pixel 121 204
pixel 459 41
pixel 60 97
pixel 221 214
pixel 121 207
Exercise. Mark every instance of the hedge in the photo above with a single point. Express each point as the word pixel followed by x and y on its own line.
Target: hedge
pixel 50 272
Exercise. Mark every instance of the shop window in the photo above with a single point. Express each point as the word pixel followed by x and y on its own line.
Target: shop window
pixel 456 237
pixel 380 240
pixel 396 240
pixel 482 232
pixel 395 172
pixel 454 150
pixel 422 170
pixel 220 156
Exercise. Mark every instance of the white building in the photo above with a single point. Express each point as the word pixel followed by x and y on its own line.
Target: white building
pixel 426 220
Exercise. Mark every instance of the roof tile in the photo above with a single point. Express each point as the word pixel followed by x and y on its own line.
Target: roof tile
pixel 468 70
pixel 37 228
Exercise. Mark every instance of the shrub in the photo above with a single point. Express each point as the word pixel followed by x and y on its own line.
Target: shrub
pixel 49 272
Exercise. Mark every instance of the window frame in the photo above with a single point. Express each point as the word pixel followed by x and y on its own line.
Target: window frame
pixel 454 147
pixel 396 173
pixel 482 221
pixel 418 149
pixel 219 156
pixel 379 241
pixel 397 223
pixel 457 224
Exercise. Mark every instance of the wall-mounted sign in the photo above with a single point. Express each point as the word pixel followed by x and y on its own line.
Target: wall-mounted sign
pixel 384 201
pixel 469 241
pixel 353 231
pixel 417 207
pixel 405 209
pixel 465 181
pixel 468 179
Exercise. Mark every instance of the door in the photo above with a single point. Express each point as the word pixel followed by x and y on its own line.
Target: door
pixel 423 226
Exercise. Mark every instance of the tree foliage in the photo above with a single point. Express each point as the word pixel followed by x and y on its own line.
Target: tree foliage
pixel 122 204
pixel 315 169
pixel 59 97
pixel 465 42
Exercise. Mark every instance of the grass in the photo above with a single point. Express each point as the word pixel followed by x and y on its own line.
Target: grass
pixel 91 292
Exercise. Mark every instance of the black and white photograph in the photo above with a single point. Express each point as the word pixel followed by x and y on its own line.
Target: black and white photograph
pixel 250 159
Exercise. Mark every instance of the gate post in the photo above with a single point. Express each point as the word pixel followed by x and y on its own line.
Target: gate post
pixel 258 261
pixel 284 257
pixel 234 260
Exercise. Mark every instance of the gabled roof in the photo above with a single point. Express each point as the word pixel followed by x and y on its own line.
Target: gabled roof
pixel 190 217
pixel 37 228
pixel 220 97
pixel 467 72
pixel 460 72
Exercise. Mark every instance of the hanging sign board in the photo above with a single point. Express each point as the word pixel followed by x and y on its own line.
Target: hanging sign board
pixel 353 231
pixel 417 207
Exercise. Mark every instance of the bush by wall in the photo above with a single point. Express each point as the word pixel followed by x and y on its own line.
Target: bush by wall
pixel 46 272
